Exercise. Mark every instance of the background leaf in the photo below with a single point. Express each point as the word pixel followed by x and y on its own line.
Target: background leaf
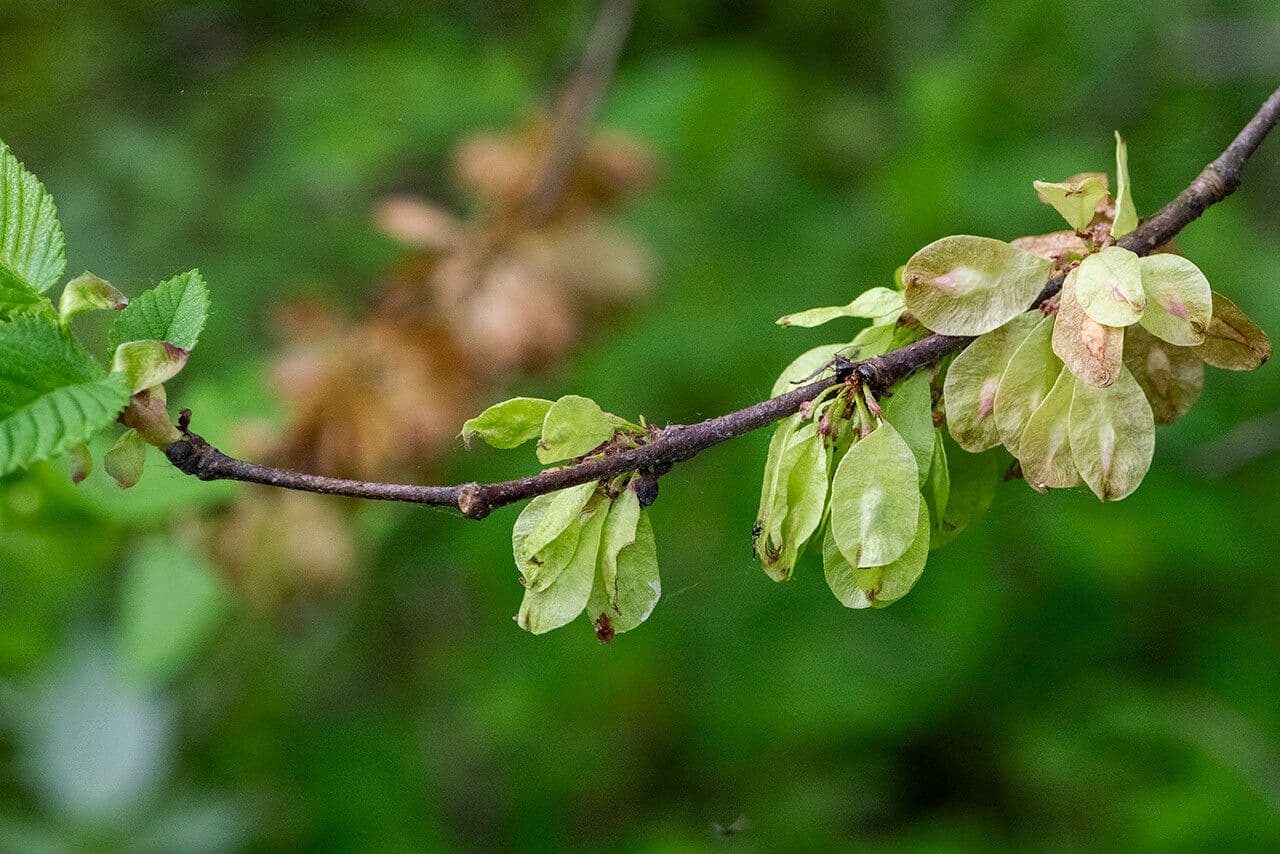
pixel 171 603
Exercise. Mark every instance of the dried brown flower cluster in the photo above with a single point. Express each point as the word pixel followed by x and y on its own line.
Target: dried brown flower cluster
pixel 474 301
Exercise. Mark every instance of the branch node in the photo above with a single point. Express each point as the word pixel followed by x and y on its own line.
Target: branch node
pixel 472 502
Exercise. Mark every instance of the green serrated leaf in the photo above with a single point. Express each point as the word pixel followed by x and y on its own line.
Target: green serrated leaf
pixel 877 586
pixel 875 303
pixel 1126 219
pixel 1045 448
pixel 1233 342
pixel 1171 377
pixel 1077 200
pixel 32 249
pixel 508 424
pixel 973 378
pixel 910 411
pixel 537 540
pixel 1025 383
pixel 875 499
pixel 1090 350
pixel 574 426
pixel 52 394
pixel 966 285
pixel 146 364
pixel 1113 436
pixel 638 585
pixel 125 460
pixel 557 604
pixel 1109 287
pixel 1179 301
pixel 174 310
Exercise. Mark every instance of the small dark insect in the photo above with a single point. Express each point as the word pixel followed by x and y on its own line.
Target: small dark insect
pixel 724 831
pixel 604 628
pixel 646 487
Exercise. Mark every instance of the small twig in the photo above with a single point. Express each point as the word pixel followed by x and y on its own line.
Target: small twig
pixel 576 111
pixel 677 443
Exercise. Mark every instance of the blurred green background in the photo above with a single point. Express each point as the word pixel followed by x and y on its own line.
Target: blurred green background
pixel 1066 675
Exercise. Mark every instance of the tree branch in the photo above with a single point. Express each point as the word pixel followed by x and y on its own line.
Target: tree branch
pixel 578 104
pixel 677 443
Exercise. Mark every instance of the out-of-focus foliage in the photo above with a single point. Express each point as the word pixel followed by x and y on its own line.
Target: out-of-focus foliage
pixel 1067 674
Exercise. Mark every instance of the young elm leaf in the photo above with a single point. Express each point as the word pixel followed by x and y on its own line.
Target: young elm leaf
pixel 1179 302
pixel 558 603
pixel 937 486
pixel 125 459
pixel 910 411
pixel 1171 377
pixel 32 249
pixel 148 363
pixel 1126 219
pixel 1233 342
pixel 174 310
pixel 973 482
pixel 1025 383
pixel 798 498
pixel 966 285
pixel 87 292
pixel 1045 448
pixel 877 586
pixel 1091 351
pixel 619 532
pixel 1109 287
pixel 873 304
pixel 973 378
pixel 1112 436
pixel 508 424
pixel 81 461
pixel 638 585
pixel 1077 200
pixel 573 426
pixel 875 499
pixel 773 502
pixel 538 529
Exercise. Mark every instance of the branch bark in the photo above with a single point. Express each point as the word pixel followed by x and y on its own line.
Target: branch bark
pixel 677 443
pixel 579 101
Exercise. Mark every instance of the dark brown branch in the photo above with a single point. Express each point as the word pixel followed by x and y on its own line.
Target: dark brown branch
pixel 579 101
pixel 678 443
